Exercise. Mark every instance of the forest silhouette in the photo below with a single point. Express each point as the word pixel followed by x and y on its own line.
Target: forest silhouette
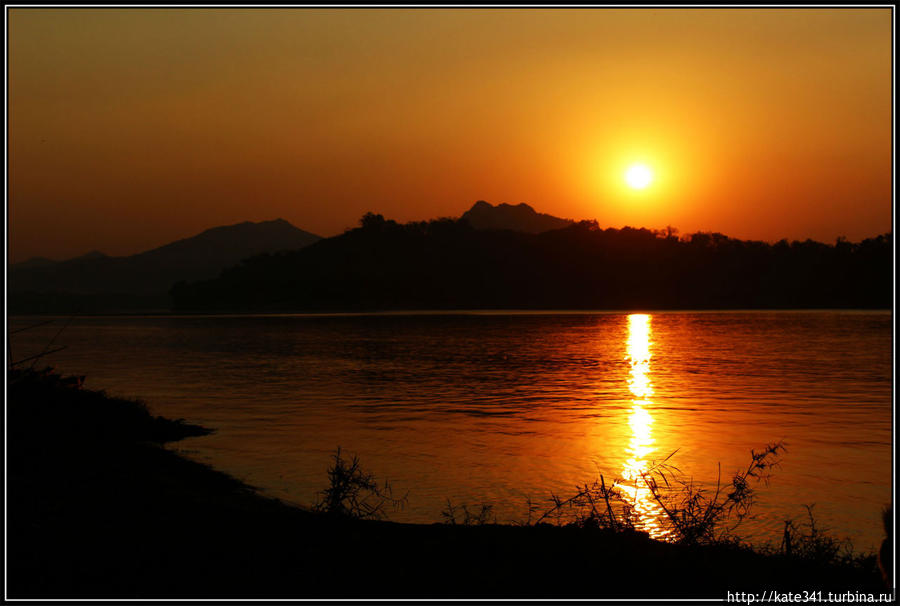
pixel 448 264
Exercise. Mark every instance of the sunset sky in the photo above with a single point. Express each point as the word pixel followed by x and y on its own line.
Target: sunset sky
pixel 130 128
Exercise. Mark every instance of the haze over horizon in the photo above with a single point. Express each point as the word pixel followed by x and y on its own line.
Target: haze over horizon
pixel 132 128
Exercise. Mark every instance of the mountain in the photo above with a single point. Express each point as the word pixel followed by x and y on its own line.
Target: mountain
pixel 153 272
pixel 520 218
pixel 447 264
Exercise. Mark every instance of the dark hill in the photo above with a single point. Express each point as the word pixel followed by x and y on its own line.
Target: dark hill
pixel 215 249
pixel 521 218
pixel 94 277
pixel 447 264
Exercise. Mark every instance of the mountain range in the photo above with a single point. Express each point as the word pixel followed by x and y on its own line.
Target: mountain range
pixel 500 256
pixel 146 276
pixel 95 281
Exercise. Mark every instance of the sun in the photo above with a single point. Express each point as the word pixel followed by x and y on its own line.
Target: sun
pixel 638 176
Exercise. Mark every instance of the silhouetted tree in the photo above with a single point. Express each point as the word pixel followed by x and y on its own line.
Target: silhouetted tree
pixel 445 263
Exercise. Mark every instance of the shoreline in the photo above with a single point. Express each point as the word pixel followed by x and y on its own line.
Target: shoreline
pixel 99 508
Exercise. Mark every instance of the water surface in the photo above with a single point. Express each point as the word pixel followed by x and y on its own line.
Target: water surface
pixel 499 407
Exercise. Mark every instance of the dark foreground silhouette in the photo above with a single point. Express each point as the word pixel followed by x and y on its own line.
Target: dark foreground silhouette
pixel 97 508
pixel 448 264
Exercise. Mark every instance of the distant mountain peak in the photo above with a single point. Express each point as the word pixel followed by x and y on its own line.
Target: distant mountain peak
pixel 275 228
pixel 248 237
pixel 520 217
pixel 202 256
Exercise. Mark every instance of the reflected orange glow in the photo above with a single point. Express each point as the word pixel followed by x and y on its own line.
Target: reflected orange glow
pixel 639 355
pixel 647 512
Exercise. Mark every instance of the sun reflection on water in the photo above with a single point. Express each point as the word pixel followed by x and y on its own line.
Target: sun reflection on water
pixel 647 511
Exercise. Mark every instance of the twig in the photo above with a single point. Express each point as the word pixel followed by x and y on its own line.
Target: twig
pixel 612 520
pixel 59 332
pixel 12 332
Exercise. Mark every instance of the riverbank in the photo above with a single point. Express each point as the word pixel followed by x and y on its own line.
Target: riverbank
pixel 98 507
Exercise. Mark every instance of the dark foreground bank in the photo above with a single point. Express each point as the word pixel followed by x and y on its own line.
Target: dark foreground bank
pixel 98 508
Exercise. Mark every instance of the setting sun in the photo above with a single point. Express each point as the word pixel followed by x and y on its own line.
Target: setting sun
pixel 638 176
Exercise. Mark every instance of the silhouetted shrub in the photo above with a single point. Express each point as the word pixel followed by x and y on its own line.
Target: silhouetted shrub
pixel 811 542
pixel 693 515
pixel 460 514
pixel 353 492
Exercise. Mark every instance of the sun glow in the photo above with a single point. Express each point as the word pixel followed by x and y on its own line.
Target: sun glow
pixel 638 176
pixel 640 447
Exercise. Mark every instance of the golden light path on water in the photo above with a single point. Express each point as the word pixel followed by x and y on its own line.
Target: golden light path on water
pixel 648 514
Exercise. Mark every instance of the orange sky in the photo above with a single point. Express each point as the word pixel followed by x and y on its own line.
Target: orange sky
pixel 130 128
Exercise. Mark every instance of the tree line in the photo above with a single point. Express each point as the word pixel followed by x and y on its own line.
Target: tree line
pixel 447 264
